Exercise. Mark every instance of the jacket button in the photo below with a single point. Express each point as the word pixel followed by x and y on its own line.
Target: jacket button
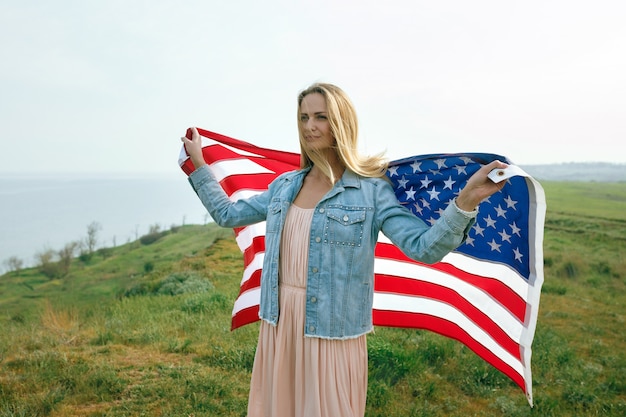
pixel 313 299
pixel 318 239
pixel 346 218
pixel 314 270
pixel 322 210
pixel 312 329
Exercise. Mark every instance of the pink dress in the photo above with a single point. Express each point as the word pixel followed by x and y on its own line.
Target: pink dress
pixel 298 376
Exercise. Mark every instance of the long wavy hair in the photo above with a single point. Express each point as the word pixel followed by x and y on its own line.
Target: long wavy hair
pixel 344 129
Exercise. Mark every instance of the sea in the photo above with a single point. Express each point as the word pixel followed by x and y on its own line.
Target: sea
pixel 42 212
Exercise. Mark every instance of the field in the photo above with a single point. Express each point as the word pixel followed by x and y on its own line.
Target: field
pixel 143 329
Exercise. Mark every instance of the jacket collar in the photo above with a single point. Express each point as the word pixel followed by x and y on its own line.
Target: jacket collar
pixel 349 179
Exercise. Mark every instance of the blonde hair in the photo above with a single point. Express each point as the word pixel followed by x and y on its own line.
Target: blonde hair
pixel 344 129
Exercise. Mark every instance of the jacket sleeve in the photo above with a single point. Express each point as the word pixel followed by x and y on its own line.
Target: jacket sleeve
pixel 416 239
pixel 223 210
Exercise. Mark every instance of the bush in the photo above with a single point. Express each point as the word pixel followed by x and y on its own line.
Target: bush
pixel 47 263
pixel 152 237
pixel 148 267
pixel 184 282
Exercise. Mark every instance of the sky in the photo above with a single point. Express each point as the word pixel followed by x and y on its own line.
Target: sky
pixel 110 86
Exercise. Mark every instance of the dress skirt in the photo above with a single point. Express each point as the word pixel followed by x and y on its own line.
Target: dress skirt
pixel 298 376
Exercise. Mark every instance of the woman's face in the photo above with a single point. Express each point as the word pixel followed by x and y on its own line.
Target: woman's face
pixel 314 122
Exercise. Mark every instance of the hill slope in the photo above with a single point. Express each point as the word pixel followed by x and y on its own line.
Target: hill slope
pixel 144 330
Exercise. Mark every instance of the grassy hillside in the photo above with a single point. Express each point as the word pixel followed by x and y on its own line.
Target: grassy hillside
pixel 144 330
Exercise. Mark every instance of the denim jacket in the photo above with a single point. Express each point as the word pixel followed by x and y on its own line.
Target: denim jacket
pixel 344 232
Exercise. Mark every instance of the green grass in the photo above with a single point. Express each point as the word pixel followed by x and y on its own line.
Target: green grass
pixel 144 330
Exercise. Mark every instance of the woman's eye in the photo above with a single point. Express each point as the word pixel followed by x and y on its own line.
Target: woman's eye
pixel 321 117
pixel 304 118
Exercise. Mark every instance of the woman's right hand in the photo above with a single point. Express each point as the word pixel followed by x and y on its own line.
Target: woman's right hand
pixel 193 147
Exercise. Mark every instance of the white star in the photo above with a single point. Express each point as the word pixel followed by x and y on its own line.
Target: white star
pixel 441 163
pixel 425 182
pixel 510 203
pixel 449 183
pixel 402 182
pixel 440 211
pixel 434 172
pixel 466 159
pixel 460 169
pixel 417 166
pixel 478 230
pixel 392 171
pixel 505 236
pixel 432 221
pixel 410 194
pixel 490 222
pixel 515 230
pixel 425 203
pixel 518 255
pixel 494 245
pixel 434 194
pixel 418 209
pixel 501 212
pixel 469 241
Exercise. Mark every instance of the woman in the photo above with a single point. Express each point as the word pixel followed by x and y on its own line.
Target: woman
pixel 322 223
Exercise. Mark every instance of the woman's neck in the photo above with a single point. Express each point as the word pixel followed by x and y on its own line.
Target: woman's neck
pixel 319 175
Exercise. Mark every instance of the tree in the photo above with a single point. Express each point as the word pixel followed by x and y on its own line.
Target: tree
pixel 92 237
pixel 47 264
pixel 65 257
pixel 14 264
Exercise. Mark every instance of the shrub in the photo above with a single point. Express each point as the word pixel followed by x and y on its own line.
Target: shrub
pixel 148 267
pixel 152 237
pixel 184 282
pixel 47 264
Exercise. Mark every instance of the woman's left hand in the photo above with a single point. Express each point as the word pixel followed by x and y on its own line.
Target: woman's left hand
pixel 479 187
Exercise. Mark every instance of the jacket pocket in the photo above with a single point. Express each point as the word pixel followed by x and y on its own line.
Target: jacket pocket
pixel 344 225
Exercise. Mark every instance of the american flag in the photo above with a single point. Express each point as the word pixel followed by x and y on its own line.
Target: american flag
pixel 484 294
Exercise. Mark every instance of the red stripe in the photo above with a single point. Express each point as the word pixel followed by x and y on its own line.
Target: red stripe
pixel 254 182
pixel 449 329
pixel 257 246
pixel 188 167
pixel 496 289
pixel 286 157
pixel 416 288
pixel 252 283
pixel 245 316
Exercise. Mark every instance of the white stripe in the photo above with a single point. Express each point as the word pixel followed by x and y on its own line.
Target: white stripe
pixel 501 272
pixel 250 298
pixel 244 240
pixel 394 302
pixel 242 194
pixel 252 267
pixel 475 296
pixel 182 156
pixel 227 167
pixel 247 235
